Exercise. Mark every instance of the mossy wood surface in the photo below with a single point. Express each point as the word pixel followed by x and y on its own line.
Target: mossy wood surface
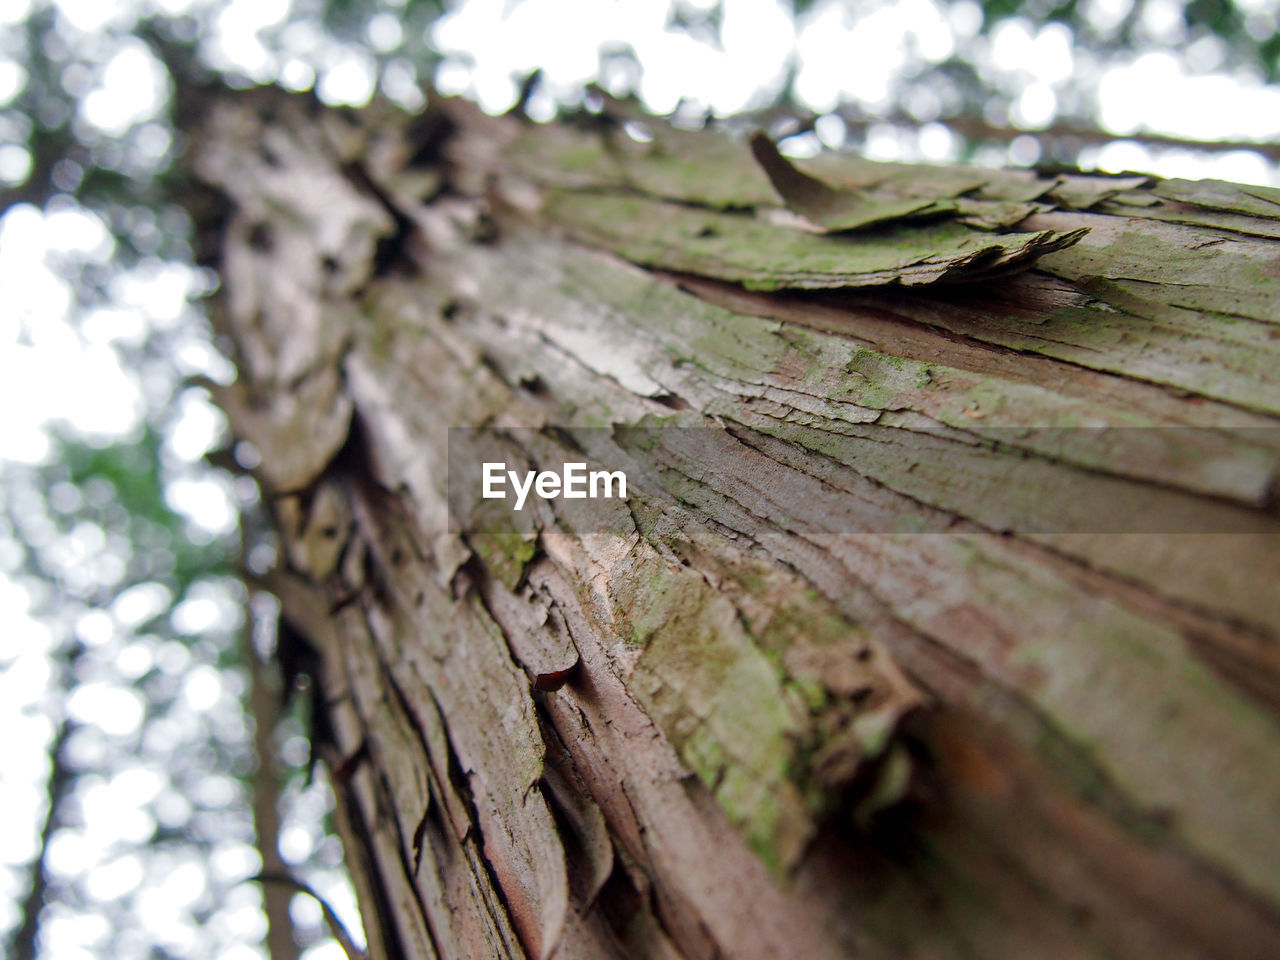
pixel 720 723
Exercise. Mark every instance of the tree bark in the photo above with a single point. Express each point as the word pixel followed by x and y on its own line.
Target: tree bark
pixel 939 619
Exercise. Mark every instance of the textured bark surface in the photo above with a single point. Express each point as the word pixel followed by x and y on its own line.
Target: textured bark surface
pixel 713 720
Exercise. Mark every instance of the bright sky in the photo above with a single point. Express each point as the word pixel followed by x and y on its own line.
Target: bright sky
pixel 53 369
pixel 859 52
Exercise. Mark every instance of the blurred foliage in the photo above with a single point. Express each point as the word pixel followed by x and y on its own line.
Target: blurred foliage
pixel 126 478
pixel 110 565
pixel 349 19
pixel 60 65
pixel 147 613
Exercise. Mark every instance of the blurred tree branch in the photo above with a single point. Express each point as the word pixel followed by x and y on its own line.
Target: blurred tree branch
pixel 24 944
pixel 339 932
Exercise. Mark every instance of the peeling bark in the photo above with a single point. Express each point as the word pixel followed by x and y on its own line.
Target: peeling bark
pixel 864 665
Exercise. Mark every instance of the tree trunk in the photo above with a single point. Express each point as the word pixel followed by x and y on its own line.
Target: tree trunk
pixel 939 618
